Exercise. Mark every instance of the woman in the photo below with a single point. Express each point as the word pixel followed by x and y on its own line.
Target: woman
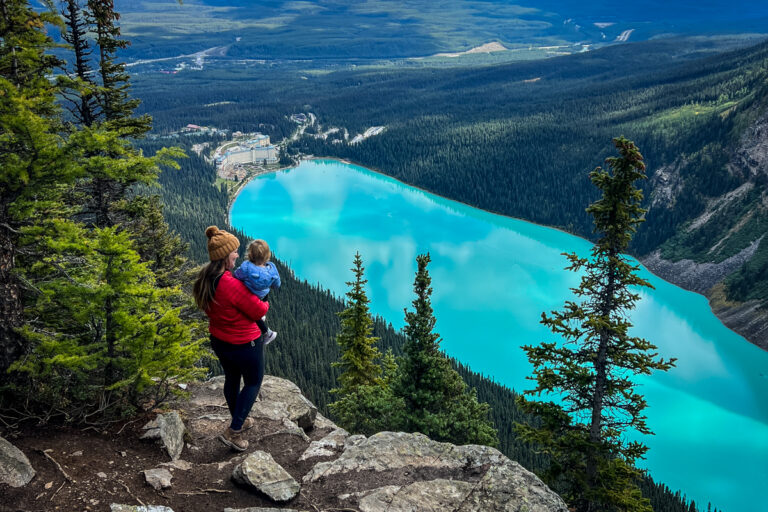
pixel 232 312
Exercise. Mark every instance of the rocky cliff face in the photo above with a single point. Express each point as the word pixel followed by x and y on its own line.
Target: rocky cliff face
pixel 297 460
pixel 728 235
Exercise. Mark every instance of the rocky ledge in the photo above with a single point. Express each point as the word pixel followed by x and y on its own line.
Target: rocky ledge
pixel 297 460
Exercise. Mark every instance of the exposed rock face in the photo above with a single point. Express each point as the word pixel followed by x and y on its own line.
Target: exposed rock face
pixel 260 471
pixel 15 469
pixel 749 319
pixel 396 450
pixel 282 398
pixel 751 157
pixel 697 277
pixel 480 478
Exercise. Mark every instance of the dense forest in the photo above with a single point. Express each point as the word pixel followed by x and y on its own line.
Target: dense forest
pixel 517 139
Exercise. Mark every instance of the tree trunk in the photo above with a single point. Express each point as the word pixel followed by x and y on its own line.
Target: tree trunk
pixel 11 310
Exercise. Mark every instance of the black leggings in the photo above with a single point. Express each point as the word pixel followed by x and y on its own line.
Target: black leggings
pixel 246 361
pixel 261 323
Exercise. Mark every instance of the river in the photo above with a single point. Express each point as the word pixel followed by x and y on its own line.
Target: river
pixel 492 277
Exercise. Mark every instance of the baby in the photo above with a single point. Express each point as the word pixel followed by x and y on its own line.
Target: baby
pixel 260 276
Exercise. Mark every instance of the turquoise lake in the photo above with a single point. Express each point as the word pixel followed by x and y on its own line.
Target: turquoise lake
pixel 492 278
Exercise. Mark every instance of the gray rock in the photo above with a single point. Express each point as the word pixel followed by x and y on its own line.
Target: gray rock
pixel 260 471
pixel 394 450
pixel 325 447
pixel 15 469
pixel 115 507
pixel 282 398
pixel 505 485
pixel 323 422
pixel 293 429
pixel 315 451
pixel 159 478
pixel 429 496
pixel 509 487
pixel 152 430
pixel 259 509
pixel 354 440
pixel 172 431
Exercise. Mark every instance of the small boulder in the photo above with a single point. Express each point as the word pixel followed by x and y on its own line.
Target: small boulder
pixel 260 471
pixel 326 446
pixel 116 507
pixel 159 478
pixel 172 431
pixel 15 469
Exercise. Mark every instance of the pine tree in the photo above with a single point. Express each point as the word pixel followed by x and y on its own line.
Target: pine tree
pixel 358 347
pixel 592 370
pixel 106 338
pixel 437 402
pixel 365 403
pixel 100 300
pixel 77 85
pixel 34 163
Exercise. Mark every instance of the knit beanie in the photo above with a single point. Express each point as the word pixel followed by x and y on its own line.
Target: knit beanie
pixel 220 243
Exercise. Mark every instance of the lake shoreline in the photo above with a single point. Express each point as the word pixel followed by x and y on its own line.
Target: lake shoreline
pixel 741 325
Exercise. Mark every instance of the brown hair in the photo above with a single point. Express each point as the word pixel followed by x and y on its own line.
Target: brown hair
pixel 258 252
pixel 203 290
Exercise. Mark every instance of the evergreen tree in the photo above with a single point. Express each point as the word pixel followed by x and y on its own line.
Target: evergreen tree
pixel 437 402
pixel 106 338
pixel 34 162
pixel 365 402
pixel 358 347
pixel 592 370
pixel 77 85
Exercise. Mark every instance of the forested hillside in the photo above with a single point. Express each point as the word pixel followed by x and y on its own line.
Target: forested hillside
pixel 518 139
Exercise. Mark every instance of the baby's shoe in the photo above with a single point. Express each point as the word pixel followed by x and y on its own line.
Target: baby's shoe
pixel 269 337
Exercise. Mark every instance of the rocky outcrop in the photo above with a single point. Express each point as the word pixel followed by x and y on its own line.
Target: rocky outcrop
pixel 15 469
pixel 469 478
pixel 282 398
pixel 320 468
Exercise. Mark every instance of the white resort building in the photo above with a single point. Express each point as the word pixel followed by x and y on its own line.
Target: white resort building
pixel 252 151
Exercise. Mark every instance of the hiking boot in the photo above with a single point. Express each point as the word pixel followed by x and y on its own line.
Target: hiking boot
pixel 234 439
pixel 269 337
pixel 247 424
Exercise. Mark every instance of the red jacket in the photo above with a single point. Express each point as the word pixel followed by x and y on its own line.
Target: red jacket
pixel 234 312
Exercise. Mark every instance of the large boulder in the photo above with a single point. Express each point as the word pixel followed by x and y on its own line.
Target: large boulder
pixel 475 478
pixel 15 469
pixel 260 471
pixel 395 450
pixel 282 398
